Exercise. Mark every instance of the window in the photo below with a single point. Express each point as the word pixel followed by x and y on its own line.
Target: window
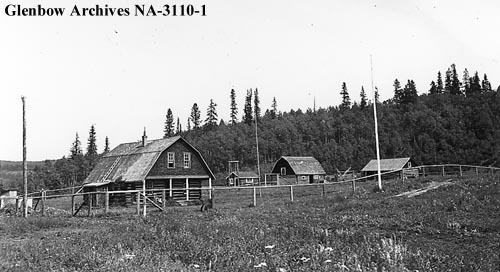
pixel 170 160
pixel 187 160
pixel 283 171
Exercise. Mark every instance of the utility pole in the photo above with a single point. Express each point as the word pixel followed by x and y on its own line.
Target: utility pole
pixel 257 143
pixel 376 128
pixel 25 165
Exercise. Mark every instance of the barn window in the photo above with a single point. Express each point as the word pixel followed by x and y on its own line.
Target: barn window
pixel 283 171
pixel 187 160
pixel 303 177
pixel 170 160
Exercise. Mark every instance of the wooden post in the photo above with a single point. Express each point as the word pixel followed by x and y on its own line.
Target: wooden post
pixel 187 189
pixel 144 203
pixel 17 204
pixel 90 204
pixel 491 171
pixel 43 202
pixel 72 205
pixel 423 169
pixel 210 188
pixel 443 170
pixel 324 189
pixel 460 170
pixel 291 193
pixel 254 197
pixel 106 202
pixel 353 186
pixel 138 203
pixel 25 164
pixel 170 191
pixel 477 172
pixel 164 200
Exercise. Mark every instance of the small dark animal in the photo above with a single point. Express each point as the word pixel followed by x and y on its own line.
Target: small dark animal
pixel 207 205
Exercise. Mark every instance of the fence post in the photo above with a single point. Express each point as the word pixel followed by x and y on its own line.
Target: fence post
pixel 460 170
pixel 106 202
pixel 164 199
pixel 138 203
pixel 353 186
pixel 423 169
pixel 17 204
pixel 324 190
pixel 491 171
pixel 254 197
pixel 443 170
pixel 477 172
pixel 72 204
pixel 43 202
pixel 291 193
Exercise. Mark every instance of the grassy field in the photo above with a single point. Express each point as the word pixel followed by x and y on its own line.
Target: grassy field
pixel 452 228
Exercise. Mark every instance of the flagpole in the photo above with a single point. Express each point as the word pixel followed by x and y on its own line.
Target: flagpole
pixel 379 175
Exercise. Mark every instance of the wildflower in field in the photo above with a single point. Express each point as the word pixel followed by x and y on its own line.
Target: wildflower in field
pixel 270 246
pixel 260 265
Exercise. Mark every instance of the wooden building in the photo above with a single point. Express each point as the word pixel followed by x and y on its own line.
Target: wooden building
pixel 242 178
pixel 395 165
pixel 169 163
pixel 298 170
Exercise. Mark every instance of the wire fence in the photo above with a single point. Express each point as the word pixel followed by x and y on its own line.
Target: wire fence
pixel 72 201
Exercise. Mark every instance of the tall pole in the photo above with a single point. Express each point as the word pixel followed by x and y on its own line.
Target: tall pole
pixel 25 165
pixel 376 127
pixel 257 143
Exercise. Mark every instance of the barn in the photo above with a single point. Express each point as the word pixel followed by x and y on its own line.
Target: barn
pixel 386 165
pixel 169 163
pixel 298 170
pixel 242 178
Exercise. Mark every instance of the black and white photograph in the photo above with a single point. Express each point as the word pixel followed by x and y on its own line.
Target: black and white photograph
pixel 191 135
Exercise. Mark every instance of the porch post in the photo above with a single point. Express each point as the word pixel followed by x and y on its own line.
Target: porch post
pixel 210 188
pixel 170 191
pixel 144 196
pixel 187 189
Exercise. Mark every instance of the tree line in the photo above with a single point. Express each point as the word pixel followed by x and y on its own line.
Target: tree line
pixel 454 121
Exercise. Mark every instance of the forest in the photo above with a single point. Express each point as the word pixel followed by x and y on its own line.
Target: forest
pixel 454 121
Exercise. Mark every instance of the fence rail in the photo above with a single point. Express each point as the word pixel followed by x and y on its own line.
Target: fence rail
pixel 251 195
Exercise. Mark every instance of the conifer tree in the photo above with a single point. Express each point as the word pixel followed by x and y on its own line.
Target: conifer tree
pixel 486 85
pixel 398 92
pixel 169 124
pixel 346 100
pixel 256 104
pixel 475 84
pixel 188 124
pixel 439 82
pixel 274 108
pixel 409 93
pixel 106 145
pixel 466 82
pixel 76 148
pixel 247 110
pixel 178 131
pixel 433 89
pixel 455 82
pixel 211 114
pixel 234 109
pixel 91 143
pixel 195 116
pixel 362 94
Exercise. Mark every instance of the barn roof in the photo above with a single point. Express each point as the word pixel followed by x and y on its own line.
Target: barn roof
pixel 244 174
pixel 302 165
pixel 386 165
pixel 132 161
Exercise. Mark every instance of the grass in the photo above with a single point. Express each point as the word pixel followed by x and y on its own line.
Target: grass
pixel 453 228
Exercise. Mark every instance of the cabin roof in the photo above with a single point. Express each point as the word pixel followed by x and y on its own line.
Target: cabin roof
pixel 302 165
pixel 132 162
pixel 244 174
pixel 386 165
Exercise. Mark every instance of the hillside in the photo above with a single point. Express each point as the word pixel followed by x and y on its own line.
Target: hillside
pixel 11 173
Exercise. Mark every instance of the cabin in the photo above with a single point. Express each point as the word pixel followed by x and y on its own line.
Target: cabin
pixel 396 165
pixel 169 163
pixel 242 178
pixel 298 170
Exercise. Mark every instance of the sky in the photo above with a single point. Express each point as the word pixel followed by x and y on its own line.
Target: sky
pixel 121 74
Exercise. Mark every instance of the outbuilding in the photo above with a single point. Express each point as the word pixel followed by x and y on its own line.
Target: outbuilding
pixel 298 170
pixel 242 178
pixel 395 165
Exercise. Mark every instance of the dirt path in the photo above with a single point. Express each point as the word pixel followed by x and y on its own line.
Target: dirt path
pixel 433 185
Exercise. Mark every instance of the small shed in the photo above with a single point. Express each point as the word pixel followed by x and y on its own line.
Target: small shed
pixel 242 178
pixel 7 197
pixel 386 165
pixel 168 163
pixel 298 170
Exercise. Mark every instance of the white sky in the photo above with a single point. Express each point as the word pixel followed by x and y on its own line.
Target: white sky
pixel 123 73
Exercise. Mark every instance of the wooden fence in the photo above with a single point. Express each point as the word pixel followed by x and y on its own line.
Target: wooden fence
pixel 90 203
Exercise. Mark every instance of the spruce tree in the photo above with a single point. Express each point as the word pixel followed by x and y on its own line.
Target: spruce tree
pixel 409 93
pixel 106 145
pixel 346 100
pixel 188 124
pixel 195 116
pixel 485 84
pixel 274 108
pixel 466 82
pixel 362 94
pixel 169 124
pixel 91 143
pixel 455 82
pixel 447 81
pixel 247 110
pixel 398 92
pixel 256 104
pixel 433 89
pixel 178 131
pixel 475 84
pixel 234 109
pixel 76 147
pixel 439 83
pixel 211 120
